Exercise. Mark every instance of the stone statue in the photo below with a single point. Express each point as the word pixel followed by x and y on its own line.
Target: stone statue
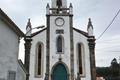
pixel 59 3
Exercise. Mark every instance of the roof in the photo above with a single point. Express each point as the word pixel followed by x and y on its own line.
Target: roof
pixel 22 66
pixel 82 32
pixel 10 23
pixel 34 34
pixel 79 31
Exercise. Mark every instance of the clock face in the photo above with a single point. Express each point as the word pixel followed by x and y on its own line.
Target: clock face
pixel 59 21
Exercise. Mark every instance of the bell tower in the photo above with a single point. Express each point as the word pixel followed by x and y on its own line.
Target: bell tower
pixel 60 50
pixel 56 3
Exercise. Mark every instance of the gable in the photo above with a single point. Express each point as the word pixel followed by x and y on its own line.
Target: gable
pixel 10 23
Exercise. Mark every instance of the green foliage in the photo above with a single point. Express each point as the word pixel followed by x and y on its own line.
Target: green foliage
pixel 112 71
pixel 103 71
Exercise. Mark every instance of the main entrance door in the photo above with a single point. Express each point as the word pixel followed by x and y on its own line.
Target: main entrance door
pixel 59 72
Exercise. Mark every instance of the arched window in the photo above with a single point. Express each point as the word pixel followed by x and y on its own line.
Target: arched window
pixel 39 59
pixel 80 66
pixel 60 44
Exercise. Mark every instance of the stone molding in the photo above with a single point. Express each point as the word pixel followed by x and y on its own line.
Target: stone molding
pixel 91 45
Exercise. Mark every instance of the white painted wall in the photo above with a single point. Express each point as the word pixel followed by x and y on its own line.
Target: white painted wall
pixel 9 47
pixel 79 38
pixel 41 37
pixel 90 31
pixel 21 75
pixel 54 57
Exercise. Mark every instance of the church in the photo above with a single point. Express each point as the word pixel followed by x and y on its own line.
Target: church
pixel 58 51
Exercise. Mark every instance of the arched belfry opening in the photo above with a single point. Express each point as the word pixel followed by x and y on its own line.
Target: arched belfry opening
pixel 59 72
pixel 59 3
pixel 59 7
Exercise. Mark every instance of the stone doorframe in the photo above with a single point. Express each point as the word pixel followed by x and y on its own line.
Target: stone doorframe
pixel 60 62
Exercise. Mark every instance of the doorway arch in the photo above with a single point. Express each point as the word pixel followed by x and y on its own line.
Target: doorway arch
pixel 59 72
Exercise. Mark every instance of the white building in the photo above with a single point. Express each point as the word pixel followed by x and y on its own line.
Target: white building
pixel 57 52
pixel 10 34
pixel 60 51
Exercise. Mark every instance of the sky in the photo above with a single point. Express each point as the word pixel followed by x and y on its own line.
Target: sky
pixel 101 13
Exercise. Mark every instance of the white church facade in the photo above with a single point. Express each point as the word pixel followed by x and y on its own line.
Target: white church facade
pixel 59 51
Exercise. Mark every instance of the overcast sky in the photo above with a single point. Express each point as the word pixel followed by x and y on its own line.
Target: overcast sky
pixel 100 11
